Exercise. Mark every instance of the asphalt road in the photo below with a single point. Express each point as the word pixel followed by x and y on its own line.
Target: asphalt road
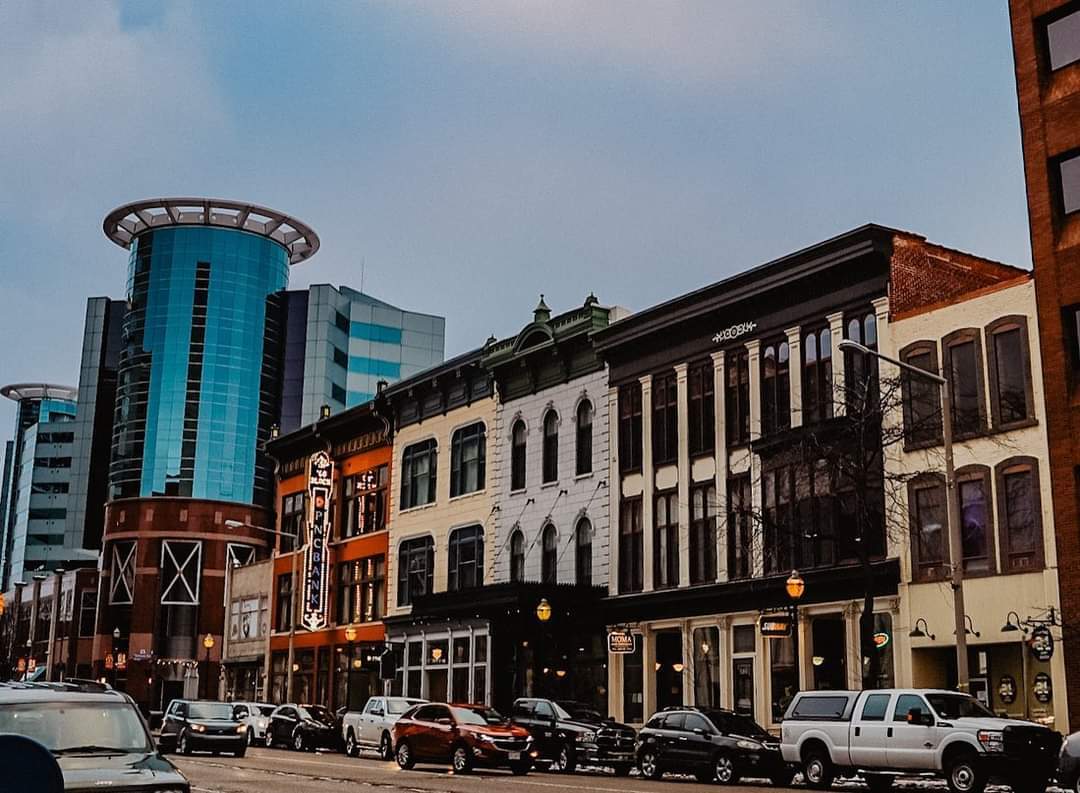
pixel 283 771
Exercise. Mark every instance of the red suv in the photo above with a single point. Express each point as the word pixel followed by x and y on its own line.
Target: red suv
pixel 465 735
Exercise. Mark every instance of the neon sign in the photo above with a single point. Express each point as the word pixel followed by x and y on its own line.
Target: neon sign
pixel 316 558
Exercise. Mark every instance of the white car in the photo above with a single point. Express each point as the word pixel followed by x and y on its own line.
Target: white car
pixel 256 715
pixel 371 727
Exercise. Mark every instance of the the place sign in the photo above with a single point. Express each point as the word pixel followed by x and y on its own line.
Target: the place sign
pixel 315 610
pixel 1042 644
pixel 621 642
pixel 775 625
pixel 735 331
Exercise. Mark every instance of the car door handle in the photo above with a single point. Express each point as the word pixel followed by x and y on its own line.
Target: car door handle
pixel 928 745
pixel 888 733
pixel 681 738
pixel 858 731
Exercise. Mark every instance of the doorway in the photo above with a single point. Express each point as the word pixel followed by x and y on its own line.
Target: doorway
pixel 829 658
pixel 669 669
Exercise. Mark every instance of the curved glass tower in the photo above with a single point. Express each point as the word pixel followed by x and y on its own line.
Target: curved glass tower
pixel 199 370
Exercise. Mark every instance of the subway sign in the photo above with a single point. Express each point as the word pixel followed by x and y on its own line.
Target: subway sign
pixel 775 625
pixel 315 611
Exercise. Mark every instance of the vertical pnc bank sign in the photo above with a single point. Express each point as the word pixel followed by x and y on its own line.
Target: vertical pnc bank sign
pixel 316 560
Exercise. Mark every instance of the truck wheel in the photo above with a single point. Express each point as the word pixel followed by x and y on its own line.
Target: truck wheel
pixel 818 770
pixel 351 749
pixel 964 774
pixel 879 783
pixel 404 756
pixel 726 772
pixel 386 747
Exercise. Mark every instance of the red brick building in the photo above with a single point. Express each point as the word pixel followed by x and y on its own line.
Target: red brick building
pixel 1046 47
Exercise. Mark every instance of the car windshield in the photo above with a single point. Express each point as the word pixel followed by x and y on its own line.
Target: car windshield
pixel 78 727
pixel 466 716
pixel 560 712
pixel 958 706
pixel 581 712
pixel 734 724
pixel 210 711
pixel 398 706
pixel 490 715
pixel 317 713
pixel 265 710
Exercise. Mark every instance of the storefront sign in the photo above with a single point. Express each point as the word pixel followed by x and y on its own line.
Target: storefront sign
pixel 316 558
pixel 1042 688
pixel 1007 689
pixel 735 331
pixel 776 625
pixel 621 642
pixel 1042 644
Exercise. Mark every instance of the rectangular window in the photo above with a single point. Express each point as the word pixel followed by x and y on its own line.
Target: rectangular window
pixel 341 321
pixel 963 362
pixel 181 572
pixel 284 608
pixel 630 447
pixel 701 408
pixel 775 388
pixel 1010 374
pixel 361 590
pixel 666 541
pixel 783 675
pixel 87 613
pixel 740 527
pixel 976 532
pixel 929 538
pixel 742 680
pixel 340 358
pixel 703 534
pixel 737 396
pixel 1063 40
pixel 292 521
pixel 364 502
pixel 707 667
pixel 665 419
pixel 631 547
pixel 921 397
pixel 418 474
pixel 468 459
pixel 416 569
pixel 1068 178
pixel 465 566
pixel 817 376
pixel 1071 322
pixel 778 516
pixel 1020 511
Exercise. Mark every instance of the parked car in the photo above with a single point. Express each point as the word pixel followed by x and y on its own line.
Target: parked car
pixel 305 728
pixel 712 744
pixel 459 734
pixel 566 741
pixel 1068 770
pixel 198 725
pixel 371 728
pixel 880 735
pixel 97 736
pixel 256 715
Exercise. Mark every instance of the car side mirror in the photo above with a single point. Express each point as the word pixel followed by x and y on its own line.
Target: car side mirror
pixel 917 717
pixel 444 720
pixel 699 731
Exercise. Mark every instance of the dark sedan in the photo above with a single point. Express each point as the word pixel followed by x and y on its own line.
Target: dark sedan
pixel 305 728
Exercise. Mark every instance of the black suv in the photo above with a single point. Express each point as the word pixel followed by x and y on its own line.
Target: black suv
pixel 192 725
pixel 97 735
pixel 712 745
pixel 569 734
pixel 303 727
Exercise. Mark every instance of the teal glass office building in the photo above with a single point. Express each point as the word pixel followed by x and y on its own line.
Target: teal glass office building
pixel 198 382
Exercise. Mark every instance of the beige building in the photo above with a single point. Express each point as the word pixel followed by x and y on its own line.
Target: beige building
pixel 246 638
pixel 987 342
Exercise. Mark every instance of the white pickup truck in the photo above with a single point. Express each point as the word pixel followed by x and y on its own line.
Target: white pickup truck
pixel 371 727
pixel 880 735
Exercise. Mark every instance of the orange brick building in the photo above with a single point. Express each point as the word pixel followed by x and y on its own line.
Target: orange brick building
pixel 1046 48
pixel 318 667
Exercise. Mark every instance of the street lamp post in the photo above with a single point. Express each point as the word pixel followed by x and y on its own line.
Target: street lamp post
pixel 543 614
pixel 795 586
pixel 350 637
pixel 951 510
pixel 115 653
pixel 238 524
pixel 208 643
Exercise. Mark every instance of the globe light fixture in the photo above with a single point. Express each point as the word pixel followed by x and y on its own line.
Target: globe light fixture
pixel 543 610
pixel 350 633
pixel 208 641
pixel 795 585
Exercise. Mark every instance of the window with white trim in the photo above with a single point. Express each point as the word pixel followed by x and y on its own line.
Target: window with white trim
pixel 122 579
pixel 181 569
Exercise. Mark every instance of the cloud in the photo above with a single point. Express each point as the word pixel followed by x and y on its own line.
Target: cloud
pixel 673 44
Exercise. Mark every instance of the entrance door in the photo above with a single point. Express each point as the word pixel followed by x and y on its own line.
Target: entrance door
pixel 829 657
pixel 742 676
pixel 669 669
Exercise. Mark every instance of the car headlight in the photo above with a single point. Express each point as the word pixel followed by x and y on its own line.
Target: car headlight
pixel 241 728
pixel 262 723
pixel 198 728
pixel 586 737
pixel 753 746
pixel 992 740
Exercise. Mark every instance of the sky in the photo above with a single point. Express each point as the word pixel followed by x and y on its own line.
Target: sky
pixel 468 156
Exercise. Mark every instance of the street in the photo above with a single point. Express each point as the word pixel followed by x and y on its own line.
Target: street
pixel 280 771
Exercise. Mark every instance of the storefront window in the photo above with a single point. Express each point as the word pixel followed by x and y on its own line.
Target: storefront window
pixel 634 685
pixel 883 640
pixel 783 676
pixel 480 670
pixel 707 667
pixel 446 667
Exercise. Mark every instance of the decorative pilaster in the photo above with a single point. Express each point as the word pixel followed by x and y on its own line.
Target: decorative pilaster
pixel 648 483
pixel 753 349
pixel 614 491
pixel 794 340
pixel 683 395
pixel 836 330
pixel 721 456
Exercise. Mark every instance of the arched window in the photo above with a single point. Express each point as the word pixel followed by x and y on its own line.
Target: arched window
pixel 418 463
pixel 517 557
pixel 860 369
pixel 549 561
pixel 468 459
pixel 416 569
pixel 551 446
pixel 817 376
pixel 775 388
pixel 517 456
pixel 583 552
pixel 1019 514
pixel 465 562
pixel 584 437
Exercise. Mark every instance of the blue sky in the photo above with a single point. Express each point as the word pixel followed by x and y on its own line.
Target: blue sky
pixel 475 154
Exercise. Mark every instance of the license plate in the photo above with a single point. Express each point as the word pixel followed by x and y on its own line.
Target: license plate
pixel 514 755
